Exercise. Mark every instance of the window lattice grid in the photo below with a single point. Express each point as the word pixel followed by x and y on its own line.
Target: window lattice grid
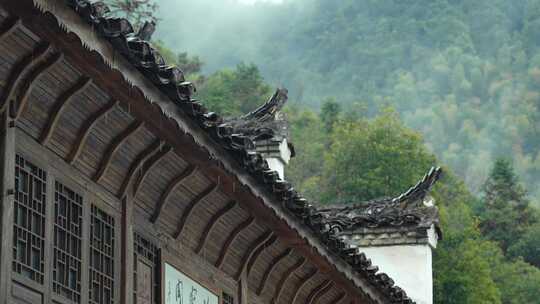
pixel 29 220
pixel 149 253
pixel 227 298
pixel 101 257
pixel 67 242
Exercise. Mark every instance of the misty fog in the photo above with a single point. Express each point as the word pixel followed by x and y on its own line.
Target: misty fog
pixel 464 73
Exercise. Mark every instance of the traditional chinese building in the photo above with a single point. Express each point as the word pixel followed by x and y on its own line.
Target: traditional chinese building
pixel 119 187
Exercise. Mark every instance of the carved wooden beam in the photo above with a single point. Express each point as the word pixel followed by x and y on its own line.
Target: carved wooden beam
pixel 211 223
pixel 191 207
pixel 170 188
pixel 271 240
pixel 147 167
pixel 339 298
pixel 303 283
pixel 279 287
pixel 60 107
pixel 136 165
pixel 86 129
pixel 30 82
pixel 265 240
pixel 320 290
pixel 234 234
pixel 114 147
pixel 20 69
pixel 10 26
pixel 275 262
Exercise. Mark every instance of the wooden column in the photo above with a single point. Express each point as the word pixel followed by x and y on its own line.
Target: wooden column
pixel 127 251
pixel 7 148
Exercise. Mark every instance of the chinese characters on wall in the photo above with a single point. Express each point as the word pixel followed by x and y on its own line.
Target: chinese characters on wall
pixel 179 289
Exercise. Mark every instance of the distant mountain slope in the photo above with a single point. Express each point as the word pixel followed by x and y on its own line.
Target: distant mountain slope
pixel 464 73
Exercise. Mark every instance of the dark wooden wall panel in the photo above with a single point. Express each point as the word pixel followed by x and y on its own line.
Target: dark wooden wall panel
pixel 202 215
pixel 34 117
pixel 220 232
pixel 24 295
pixel 238 248
pixel 332 294
pixel 262 263
pixel 277 274
pixel 99 139
pixel 124 157
pixel 65 135
pixel 157 180
pixel 309 287
pixel 14 48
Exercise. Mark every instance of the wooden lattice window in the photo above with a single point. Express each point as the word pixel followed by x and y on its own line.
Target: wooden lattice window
pixel 67 243
pixel 29 220
pixel 227 298
pixel 101 257
pixel 146 271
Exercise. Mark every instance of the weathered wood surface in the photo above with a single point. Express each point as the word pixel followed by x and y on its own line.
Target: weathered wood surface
pixel 60 107
pixel 316 293
pixel 212 223
pixel 288 273
pixel 191 206
pixel 230 239
pixel 170 188
pixel 7 153
pixel 87 128
pixel 113 148
pixel 275 262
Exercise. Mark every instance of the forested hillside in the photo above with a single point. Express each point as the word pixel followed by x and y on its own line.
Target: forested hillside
pixel 466 74
pixel 381 90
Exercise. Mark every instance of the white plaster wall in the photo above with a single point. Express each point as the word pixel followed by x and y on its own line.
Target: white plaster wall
pixel 277 164
pixel 285 151
pixel 410 266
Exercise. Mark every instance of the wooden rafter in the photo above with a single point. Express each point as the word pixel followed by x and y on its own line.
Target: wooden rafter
pixel 30 82
pixel 191 206
pixel 339 298
pixel 265 240
pixel 20 69
pixel 234 234
pixel 211 223
pixel 303 283
pixel 170 188
pixel 319 291
pixel 290 271
pixel 86 129
pixel 270 241
pixel 114 146
pixel 10 26
pixel 60 106
pixel 147 167
pixel 136 165
pixel 273 264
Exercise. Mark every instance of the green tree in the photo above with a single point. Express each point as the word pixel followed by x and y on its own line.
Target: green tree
pixel 505 213
pixel 528 246
pixel 235 92
pixel 330 111
pixel 372 158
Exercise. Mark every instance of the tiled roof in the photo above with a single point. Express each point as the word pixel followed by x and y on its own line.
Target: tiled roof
pixel 170 80
pixel 408 212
